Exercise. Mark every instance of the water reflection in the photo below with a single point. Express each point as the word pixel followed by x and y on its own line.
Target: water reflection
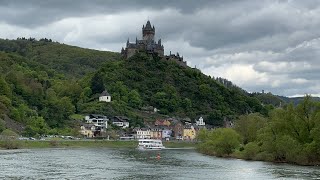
pixel 104 163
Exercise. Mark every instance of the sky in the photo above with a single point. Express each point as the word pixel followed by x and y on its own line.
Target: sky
pixel 270 45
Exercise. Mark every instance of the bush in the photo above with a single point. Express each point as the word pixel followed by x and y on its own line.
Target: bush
pixel 250 151
pixel 7 133
pixel 10 144
pixel 220 142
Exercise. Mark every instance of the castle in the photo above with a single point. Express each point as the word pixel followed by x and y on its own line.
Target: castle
pixel 149 45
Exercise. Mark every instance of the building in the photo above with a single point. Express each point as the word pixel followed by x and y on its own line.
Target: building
pixel 176 58
pixel 200 122
pixel 87 130
pixel 189 132
pixel 162 122
pixel 105 96
pixel 149 45
pixel 120 121
pixel 166 133
pixel 94 125
pixel 177 129
pixel 155 133
pixel 143 133
pixel 98 120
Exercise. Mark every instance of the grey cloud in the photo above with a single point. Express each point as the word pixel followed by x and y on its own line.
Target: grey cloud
pixel 33 13
pixel 208 33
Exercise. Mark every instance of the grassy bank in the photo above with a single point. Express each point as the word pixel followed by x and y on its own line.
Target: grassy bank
pixel 18 144
pixel 179 144
pixel 75 144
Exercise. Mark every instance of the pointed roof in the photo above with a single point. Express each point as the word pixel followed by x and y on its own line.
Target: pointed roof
pixel 105 93
pixel 148 26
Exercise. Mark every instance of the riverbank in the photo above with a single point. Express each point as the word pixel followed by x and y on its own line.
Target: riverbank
pixel 18 144
pixel 264 157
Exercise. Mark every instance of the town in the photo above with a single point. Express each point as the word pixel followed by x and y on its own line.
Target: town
pixel 118 127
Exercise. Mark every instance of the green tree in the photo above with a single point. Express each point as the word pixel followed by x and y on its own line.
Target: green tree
pixel 36 126
pixel 57 112
pixel 4 87
pixel 221 142
pixel 97 84
pixel 2 125
pixel 186 104
pixel 134 99
pixel 215 118
pixel 248 125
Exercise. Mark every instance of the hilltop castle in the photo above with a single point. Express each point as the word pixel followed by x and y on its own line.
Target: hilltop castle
pixel 149 45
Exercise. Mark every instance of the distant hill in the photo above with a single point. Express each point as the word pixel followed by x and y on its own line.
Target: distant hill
pixel 268 98
pixel 296 100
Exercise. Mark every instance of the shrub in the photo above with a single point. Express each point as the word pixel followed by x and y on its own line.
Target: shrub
pixel 10 144
pixel 250 151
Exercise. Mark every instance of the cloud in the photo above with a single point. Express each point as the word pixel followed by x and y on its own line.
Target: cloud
pixel 270 45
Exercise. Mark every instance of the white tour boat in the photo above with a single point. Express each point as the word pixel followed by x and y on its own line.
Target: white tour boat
pixel 150 144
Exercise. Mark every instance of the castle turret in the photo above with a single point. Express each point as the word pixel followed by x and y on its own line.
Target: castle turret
pixel 148 32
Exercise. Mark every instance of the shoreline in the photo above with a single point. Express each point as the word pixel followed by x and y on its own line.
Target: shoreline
pixel 237 156
pixel 30 144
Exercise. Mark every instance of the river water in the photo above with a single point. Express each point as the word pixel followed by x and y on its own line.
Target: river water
pixel 106 163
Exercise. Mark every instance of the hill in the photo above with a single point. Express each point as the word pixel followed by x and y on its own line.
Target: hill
pixel 70 61
pixel 44 83
pixel 39 83
pixel 296 100
pixel 175 90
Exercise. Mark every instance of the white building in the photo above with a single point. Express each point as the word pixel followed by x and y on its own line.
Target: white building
pixel 120 121
pixel 143 133
pixel 200 122
pixel 99 121
pixel 105 96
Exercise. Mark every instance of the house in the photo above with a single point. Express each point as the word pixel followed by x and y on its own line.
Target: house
pixel 155 133
pixel 120 121
pixel 105 96
pixel 189 132
pixel 87 130
pixel 177 127
pixel 143 133
pixel 166 133
pixel 94 125
pixel 162 122
pixel 98 120
pixel 200 122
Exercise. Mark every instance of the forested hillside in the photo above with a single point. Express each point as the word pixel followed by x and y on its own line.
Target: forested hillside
pixel 67 60
pixel 43 84
pixel 39 83
pixel 178 91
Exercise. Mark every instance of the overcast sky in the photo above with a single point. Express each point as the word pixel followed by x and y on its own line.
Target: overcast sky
pixel 258 45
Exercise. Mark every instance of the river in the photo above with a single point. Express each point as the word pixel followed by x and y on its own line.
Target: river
pixel 106 163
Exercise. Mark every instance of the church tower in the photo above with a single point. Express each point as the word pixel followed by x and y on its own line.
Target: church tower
pixel 148 32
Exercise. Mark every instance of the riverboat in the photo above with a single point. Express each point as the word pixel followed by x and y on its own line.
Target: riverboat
pixel 150 144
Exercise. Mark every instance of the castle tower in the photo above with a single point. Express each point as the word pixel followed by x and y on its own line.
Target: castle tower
pixel 148 32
